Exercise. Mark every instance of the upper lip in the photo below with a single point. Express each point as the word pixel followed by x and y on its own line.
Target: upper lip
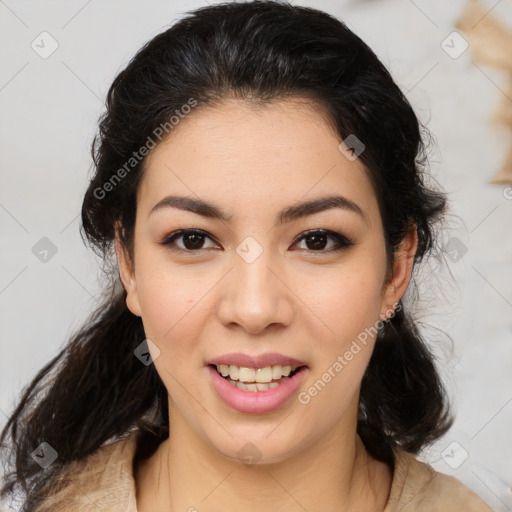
pixel 256 361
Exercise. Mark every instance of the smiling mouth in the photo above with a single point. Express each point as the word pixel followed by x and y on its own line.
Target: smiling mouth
pixel 256 379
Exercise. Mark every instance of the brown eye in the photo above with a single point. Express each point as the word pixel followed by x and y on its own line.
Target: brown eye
pixel 192 240
pixel 317 240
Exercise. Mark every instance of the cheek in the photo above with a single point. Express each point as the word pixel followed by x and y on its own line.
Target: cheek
pixel 350 307
pixel 349 304
pixel 348 298
pixel 173 308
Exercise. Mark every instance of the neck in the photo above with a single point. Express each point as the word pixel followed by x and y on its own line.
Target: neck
pixel 334 474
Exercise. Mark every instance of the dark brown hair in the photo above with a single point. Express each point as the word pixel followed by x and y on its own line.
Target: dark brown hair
pixel 94 389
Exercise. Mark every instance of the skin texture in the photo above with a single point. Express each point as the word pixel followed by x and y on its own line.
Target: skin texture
pixel 297 298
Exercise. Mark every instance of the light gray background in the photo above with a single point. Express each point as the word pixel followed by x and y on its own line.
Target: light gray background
pixel 50 109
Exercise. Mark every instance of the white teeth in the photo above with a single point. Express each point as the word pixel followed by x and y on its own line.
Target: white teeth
pixel 252 375
pixel 253 387
pixel 246 374
pixel 246 387
pixel 233 372
pixel 280 370
pixel 264 375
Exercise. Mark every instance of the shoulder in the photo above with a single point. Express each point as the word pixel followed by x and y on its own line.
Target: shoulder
pixel 102 481
pixel 417 487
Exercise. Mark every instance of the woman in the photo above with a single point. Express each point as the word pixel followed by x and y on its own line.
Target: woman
pixel 259 187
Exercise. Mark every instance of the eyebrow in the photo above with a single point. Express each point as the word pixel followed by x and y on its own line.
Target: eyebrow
pixel 288 214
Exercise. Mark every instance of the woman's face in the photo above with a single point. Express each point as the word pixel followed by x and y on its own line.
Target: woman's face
pixel 255 283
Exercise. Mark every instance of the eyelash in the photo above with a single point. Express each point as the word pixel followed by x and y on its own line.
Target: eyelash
pixel 342 241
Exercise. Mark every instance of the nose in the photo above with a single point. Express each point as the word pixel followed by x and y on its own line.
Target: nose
pixel 256 296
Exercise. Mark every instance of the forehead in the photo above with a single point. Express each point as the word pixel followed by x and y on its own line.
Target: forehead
pixel 254 157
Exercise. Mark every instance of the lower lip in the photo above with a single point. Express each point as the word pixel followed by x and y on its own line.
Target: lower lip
pixel 256 402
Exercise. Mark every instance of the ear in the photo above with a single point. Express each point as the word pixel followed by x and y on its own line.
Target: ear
pixel 403 264
pixel 127 273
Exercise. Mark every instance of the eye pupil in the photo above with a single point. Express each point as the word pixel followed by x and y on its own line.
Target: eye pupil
pixel 192 241
pixel 319 241
pixel 196 239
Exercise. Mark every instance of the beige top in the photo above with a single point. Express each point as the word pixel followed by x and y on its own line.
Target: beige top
pixel 104 481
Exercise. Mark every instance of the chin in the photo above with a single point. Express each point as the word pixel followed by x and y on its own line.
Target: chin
pixel 257 447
